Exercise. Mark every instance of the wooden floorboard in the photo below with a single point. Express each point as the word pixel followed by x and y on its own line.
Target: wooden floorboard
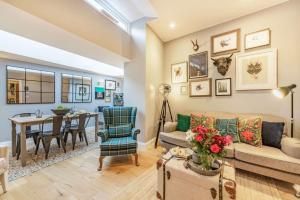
pixel 78 179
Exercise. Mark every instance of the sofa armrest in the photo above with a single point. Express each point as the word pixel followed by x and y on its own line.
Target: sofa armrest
pixel 4 152
pixel 134 133
pixel 170 127
pixel 291 146
pixel 103 133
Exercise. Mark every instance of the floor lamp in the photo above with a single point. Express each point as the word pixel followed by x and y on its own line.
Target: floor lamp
pixel 283 92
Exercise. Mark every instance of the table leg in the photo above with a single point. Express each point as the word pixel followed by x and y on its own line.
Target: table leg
pixel 13 139
pixel 23 145
pixel 96 127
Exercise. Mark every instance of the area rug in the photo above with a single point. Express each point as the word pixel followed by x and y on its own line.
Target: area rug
pixel 56 154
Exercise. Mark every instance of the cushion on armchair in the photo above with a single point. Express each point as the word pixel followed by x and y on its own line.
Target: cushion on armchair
pixel 118 143
pixel 119 130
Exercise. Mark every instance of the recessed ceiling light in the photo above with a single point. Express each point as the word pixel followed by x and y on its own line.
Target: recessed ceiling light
pixel 172 25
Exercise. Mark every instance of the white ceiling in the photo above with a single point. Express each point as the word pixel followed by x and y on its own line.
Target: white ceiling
pixel 194 15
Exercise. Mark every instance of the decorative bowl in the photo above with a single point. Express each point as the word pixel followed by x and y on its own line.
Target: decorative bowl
pixel 217 167
pixel 60 111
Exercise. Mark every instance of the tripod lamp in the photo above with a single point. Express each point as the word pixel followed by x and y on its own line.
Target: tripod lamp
pixel 283 92
pixel 164 90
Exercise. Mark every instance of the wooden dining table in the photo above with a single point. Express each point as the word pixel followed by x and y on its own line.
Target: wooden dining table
pixel 23 122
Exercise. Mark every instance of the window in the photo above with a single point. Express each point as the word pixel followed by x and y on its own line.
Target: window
pixel 29 86
pixel 110 12
pixel 76 89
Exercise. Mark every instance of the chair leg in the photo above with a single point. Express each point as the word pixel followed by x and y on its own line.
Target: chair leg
pixel 58 142
pixel 100 163
pixel 34 137
pixel 66 137
pixel 80 136
pixel 85 137
pixel 47 142
pixel 3 182
pixel 37 145
pixel 136 159
pixel 74 134
pixel 63 144
pixel 18 147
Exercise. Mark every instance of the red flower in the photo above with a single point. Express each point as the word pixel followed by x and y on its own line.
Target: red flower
pixel 199 138
pixel 248 135
pixel 227 139
pixel 215 148
pixel 201 129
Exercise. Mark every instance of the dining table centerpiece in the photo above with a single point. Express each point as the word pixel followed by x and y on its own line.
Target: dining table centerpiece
pixel 60 110
pixel 209 147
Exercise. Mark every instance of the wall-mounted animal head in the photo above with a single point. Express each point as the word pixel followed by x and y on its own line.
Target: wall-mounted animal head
pixel 222 64
pixel 195 45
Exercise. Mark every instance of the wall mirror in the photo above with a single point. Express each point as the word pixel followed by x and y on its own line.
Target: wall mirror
pixel 76 89
pixel 29 86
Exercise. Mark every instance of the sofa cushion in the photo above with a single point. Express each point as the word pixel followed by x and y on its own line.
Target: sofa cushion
pixel 229 151
pixel 183 122
pixel 176 138
pixel 118 143
pixel 250 130
pixel 272 134
pixel 266 156
pixel 228 127
pixel 203 120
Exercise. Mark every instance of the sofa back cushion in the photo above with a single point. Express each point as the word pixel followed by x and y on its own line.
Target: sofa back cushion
pixel 203 120
pixel 250 130
pixel 272 134
pixel 228 127
pixel 183 122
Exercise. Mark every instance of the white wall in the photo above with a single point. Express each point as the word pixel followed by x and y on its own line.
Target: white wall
pixel 7 111
pixel 283 20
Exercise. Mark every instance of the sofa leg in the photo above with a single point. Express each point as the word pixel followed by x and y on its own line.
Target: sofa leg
pixel 100 162
pixel 297 188
pixel 136 159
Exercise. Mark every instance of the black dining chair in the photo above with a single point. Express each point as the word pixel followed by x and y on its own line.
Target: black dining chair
pixel 47 136
pixel 30 132
pixel 80 129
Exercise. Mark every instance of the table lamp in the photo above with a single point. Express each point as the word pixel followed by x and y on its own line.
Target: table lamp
pixel 283 92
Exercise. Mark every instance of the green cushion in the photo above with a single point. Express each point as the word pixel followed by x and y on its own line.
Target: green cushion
pixel 228 127
pixel 183 122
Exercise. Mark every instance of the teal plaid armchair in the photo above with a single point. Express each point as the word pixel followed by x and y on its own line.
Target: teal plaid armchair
pixel 120 135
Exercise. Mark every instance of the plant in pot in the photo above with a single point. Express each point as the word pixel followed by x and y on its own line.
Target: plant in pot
pixel 60 110
pixel 208 146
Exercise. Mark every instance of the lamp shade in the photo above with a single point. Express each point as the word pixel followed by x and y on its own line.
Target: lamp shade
pixel 283 91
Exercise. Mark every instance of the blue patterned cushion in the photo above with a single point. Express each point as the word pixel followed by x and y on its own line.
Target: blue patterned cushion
pixel 228 127
pixel 119 130
pixel 118 144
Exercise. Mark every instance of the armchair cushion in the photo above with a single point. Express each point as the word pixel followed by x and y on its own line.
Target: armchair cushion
pixel 119 130
pixel 121 143
pixel 134 133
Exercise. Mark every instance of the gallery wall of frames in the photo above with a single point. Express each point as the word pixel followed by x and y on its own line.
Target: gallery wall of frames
pixel 256 68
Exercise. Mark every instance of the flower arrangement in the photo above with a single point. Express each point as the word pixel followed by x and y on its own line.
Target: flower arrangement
pixel 208 144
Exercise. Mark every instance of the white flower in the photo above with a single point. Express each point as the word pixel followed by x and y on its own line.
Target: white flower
pixel 190 135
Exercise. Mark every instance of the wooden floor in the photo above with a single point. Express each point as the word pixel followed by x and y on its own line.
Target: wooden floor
pixel 77 178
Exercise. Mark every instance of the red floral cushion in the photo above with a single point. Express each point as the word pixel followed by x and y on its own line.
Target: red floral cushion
pixel 249 129
pixel 201 119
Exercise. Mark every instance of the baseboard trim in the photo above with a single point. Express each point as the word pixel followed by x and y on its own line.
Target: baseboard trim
pixel 5 143
pixel 144 145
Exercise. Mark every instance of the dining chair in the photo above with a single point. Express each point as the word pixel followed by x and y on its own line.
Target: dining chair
pixel 47 136
pixel 30 133
pixel 80 130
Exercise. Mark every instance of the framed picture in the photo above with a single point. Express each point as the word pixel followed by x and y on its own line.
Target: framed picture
pixel 183 90
pixel 82 92
pixel 223 87
pixel 225 43
pixel 110 85
pixel 200 88
pixel 257 70
pixel 198 65
pixel 179 72
pixel 118 99
pixel 258 39
pixel 99 92
pixel 107 96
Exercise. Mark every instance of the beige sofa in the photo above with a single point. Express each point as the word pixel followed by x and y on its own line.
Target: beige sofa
pixel 282 164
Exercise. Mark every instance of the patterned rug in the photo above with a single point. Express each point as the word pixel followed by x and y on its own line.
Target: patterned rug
pixel 38 162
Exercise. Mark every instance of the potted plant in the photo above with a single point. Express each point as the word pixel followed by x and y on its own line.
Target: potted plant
pixel 208 146
pixel 60 110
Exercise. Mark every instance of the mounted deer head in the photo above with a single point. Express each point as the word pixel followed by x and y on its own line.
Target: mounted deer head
pixel 195 45
pixel 222 64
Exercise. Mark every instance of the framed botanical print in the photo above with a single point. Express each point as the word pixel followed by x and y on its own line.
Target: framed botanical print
pixel 110 85
pixel 179 72
pixel 225 43
pixel 198 65
pixel 200 88
pixel 258 39
pixel 82 92
pixel 183 90
pixel 107 96
pixel 257 70
pixel 223 87
pixel 118 99
pixel 99 92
